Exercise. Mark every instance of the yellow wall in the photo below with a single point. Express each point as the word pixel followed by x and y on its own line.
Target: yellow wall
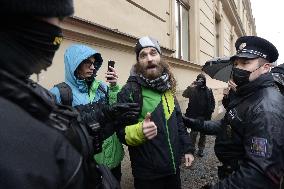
pixel 136 18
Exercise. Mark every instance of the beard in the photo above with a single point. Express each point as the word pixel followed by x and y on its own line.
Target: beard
pixel 150 71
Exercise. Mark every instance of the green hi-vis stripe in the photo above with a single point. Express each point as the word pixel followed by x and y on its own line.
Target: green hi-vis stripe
pixel 169 105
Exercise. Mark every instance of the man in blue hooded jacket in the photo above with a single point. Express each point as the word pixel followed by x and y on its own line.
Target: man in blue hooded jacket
pixel 81 65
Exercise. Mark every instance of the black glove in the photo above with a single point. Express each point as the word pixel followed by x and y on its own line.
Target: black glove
pixel 122 113
pixel 89 113
pixel 192 123
pixel 206 127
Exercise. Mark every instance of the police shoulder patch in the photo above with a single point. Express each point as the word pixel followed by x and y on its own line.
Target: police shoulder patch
pixel 259 146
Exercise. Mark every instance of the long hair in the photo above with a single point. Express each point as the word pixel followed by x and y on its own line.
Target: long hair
pixel 166 69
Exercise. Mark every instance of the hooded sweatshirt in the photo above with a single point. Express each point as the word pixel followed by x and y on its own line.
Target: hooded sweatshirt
pixel 112 153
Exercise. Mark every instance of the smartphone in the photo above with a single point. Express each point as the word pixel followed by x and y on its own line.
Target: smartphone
pixel 110 64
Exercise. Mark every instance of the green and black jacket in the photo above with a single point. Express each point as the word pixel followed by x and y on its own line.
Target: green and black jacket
pixel 151 159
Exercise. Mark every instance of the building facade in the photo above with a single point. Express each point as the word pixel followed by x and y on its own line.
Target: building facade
pixel 190 32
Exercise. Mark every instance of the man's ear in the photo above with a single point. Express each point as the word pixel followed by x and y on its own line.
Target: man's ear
pixel 266 67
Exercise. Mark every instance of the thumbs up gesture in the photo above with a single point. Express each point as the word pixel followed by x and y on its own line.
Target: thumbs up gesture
pixel 149 127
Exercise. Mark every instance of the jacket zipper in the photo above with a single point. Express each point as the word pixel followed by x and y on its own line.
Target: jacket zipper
pixel 167 103
pixel 168 136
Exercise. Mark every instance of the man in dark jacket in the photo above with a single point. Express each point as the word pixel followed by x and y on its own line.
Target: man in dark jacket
pixel 254 119
pixel 158 139
pixel 35 150
pixel 201 105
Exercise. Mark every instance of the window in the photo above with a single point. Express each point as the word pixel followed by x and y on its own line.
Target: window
pixel 182 30
pixel 217 38
pixel 232 43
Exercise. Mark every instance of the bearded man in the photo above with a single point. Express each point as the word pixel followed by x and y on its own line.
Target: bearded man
pixel 159 138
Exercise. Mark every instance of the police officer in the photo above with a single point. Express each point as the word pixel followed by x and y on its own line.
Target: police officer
pixel 35 150
pixel 254 119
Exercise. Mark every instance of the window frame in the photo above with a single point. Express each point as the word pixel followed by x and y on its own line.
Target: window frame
pixel 182 4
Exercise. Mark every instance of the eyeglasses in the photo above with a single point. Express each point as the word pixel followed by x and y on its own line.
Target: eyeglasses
pixel 88 63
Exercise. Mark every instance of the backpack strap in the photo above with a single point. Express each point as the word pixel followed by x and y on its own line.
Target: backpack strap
pixel 131 92
pixel 66 94
pixel 97 86
pixel 102 89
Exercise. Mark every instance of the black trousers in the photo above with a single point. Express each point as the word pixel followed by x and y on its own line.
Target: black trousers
pixel 167 182
pixel 202 139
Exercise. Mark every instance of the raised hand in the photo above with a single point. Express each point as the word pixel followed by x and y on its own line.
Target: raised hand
pixel 125 113
pixel 111 76
pixel 149 127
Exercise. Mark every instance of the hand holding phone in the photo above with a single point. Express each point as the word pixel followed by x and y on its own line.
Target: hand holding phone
pixel 110 64
pixel 111 74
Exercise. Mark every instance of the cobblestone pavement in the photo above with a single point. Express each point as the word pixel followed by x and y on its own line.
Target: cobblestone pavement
pixel 203 170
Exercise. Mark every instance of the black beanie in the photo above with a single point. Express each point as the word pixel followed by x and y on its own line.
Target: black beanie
pixel 42 8
pixel 201 76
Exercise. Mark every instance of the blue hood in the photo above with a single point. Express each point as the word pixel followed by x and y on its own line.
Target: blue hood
pixel 73 56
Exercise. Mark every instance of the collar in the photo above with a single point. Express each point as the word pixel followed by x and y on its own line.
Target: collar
pixel 25 95
pixel 245 91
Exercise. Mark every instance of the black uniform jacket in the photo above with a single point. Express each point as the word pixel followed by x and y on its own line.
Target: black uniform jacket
pixel 256 119
pixel 33 154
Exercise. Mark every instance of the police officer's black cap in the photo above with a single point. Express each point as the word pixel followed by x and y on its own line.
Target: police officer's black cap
pixel 41 8
pixel 251 47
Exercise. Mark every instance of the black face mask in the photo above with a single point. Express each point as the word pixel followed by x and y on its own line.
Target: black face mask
pixel 200 83
pixel 28 45
pixel 240 77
